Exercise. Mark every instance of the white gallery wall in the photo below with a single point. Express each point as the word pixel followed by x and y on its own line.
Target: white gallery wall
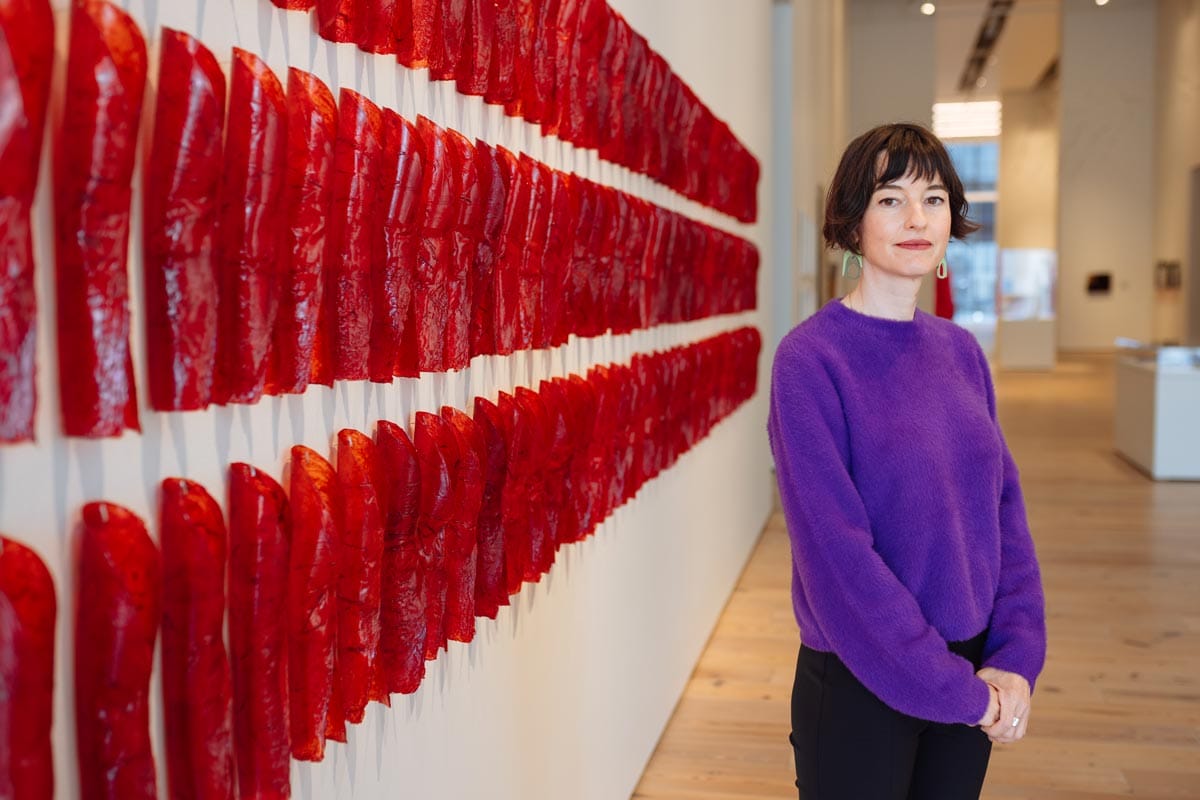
pixel 1176 155
pixel 1106 171
pixel 566 693
pixel 1027 181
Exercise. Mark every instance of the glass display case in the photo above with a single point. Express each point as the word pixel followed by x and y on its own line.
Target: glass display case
pixel 1026 336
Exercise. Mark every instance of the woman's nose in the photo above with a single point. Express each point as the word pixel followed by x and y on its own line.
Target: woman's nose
pixel 916 216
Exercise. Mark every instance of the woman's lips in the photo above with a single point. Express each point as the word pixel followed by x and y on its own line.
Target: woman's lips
pixel 916 244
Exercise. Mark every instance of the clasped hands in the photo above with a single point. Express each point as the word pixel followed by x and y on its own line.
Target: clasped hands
pixel 1008 699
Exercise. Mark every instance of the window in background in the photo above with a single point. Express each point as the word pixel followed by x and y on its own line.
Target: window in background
pixel 973 262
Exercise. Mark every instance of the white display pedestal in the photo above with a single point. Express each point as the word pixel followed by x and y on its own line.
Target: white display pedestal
pixel 1157 418
pixel 1026 344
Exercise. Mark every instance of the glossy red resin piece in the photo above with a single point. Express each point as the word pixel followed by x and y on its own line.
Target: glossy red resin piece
pixel 259 535
pixel 197 687
pixel 490 168
pixel 315 708
pixel 357 162
pixel 94 159
pixel 251 217
pixel 502 84
pixel 462 532
pixel 26 58
pixel 402 642
pixel 27 618
pixel 514 500
pixel 394 336
pixel 476 60
pixel 307 193
pixel 359 573
pixel 336 19
pixel 118 613
pixel 450 41
pixel 465 236
pixel 437 452
pixel 441 193
pixel 375 25
pixel 507 294
pixel 490 592
pixel 420 21
pixel 179 212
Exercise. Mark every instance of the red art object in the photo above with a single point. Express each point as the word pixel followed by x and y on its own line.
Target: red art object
pixel 473 67
pixel 116 623
pixel 394 327
pixel 197 687
pixel 449 41
pixel 514 500
pixel 512 246
pixel 490 591
pixel 336 19
pixel 558 443
pixel 615 259
pixel 579 117
pixel 531 452
pixel 259 532
pixel 502 83
pixel 440 189
pixel 391 272
pixel 625 148
pixel 525 14
pixel 94 157
pixel 566 27
pixel 614 61
pixel 315 707
pixel 420 20
pixel 578 517
pixel 538 101
pixel 26 58
pixel 295 5
pixel 307 193
pixel 490 168
pixel 359 574
pixel 580 305
pixel 357 159
pixel 529 308
pixel 462 532
pixel 251 216
pixel 437 452
pixel 556 262
pixel 464 239
pixel 27 614
pixel 375 25
pixel 179 212
pixel 402 642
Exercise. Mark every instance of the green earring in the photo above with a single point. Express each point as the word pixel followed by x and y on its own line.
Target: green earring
pixel 847 257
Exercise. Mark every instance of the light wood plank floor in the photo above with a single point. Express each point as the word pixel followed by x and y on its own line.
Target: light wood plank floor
pixel 1117 710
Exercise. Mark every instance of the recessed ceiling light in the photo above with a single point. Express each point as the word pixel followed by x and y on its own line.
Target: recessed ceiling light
pixel 1101 2
pixel 980 82
pixel 929 8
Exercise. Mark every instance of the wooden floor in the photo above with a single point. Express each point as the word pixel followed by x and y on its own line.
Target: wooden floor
pixel 1117 710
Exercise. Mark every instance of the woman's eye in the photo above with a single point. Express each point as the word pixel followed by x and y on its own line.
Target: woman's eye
pixel 937 201
pixel 888 201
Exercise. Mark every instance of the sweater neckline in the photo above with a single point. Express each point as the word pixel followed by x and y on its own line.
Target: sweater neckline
pixel 896 328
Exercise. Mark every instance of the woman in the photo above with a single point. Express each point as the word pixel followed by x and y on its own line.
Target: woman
pixel 914 581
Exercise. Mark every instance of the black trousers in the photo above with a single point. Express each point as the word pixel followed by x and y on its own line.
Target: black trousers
pixel 849 745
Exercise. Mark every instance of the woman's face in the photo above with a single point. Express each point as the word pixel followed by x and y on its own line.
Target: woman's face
pixel 906 227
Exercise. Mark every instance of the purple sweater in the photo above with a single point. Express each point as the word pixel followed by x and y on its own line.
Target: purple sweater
pixel 904 509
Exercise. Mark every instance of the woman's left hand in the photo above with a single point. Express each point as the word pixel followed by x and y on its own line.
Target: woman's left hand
pixel 1014 705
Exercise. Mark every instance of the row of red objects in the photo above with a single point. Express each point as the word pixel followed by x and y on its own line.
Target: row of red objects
pixel 340 589
pixel 575 67
pixel 321 242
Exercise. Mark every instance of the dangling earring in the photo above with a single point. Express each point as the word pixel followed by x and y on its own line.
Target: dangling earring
pixel 942 271
pixel 847 257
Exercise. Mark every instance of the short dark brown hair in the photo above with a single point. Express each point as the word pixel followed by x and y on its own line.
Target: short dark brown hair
pixel 907 149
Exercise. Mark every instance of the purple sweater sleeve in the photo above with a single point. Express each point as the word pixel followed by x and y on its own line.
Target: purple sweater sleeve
pixel 1017 634
pixel 868 617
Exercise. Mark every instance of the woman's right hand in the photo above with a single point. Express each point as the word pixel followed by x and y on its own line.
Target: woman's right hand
pixel 993 709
